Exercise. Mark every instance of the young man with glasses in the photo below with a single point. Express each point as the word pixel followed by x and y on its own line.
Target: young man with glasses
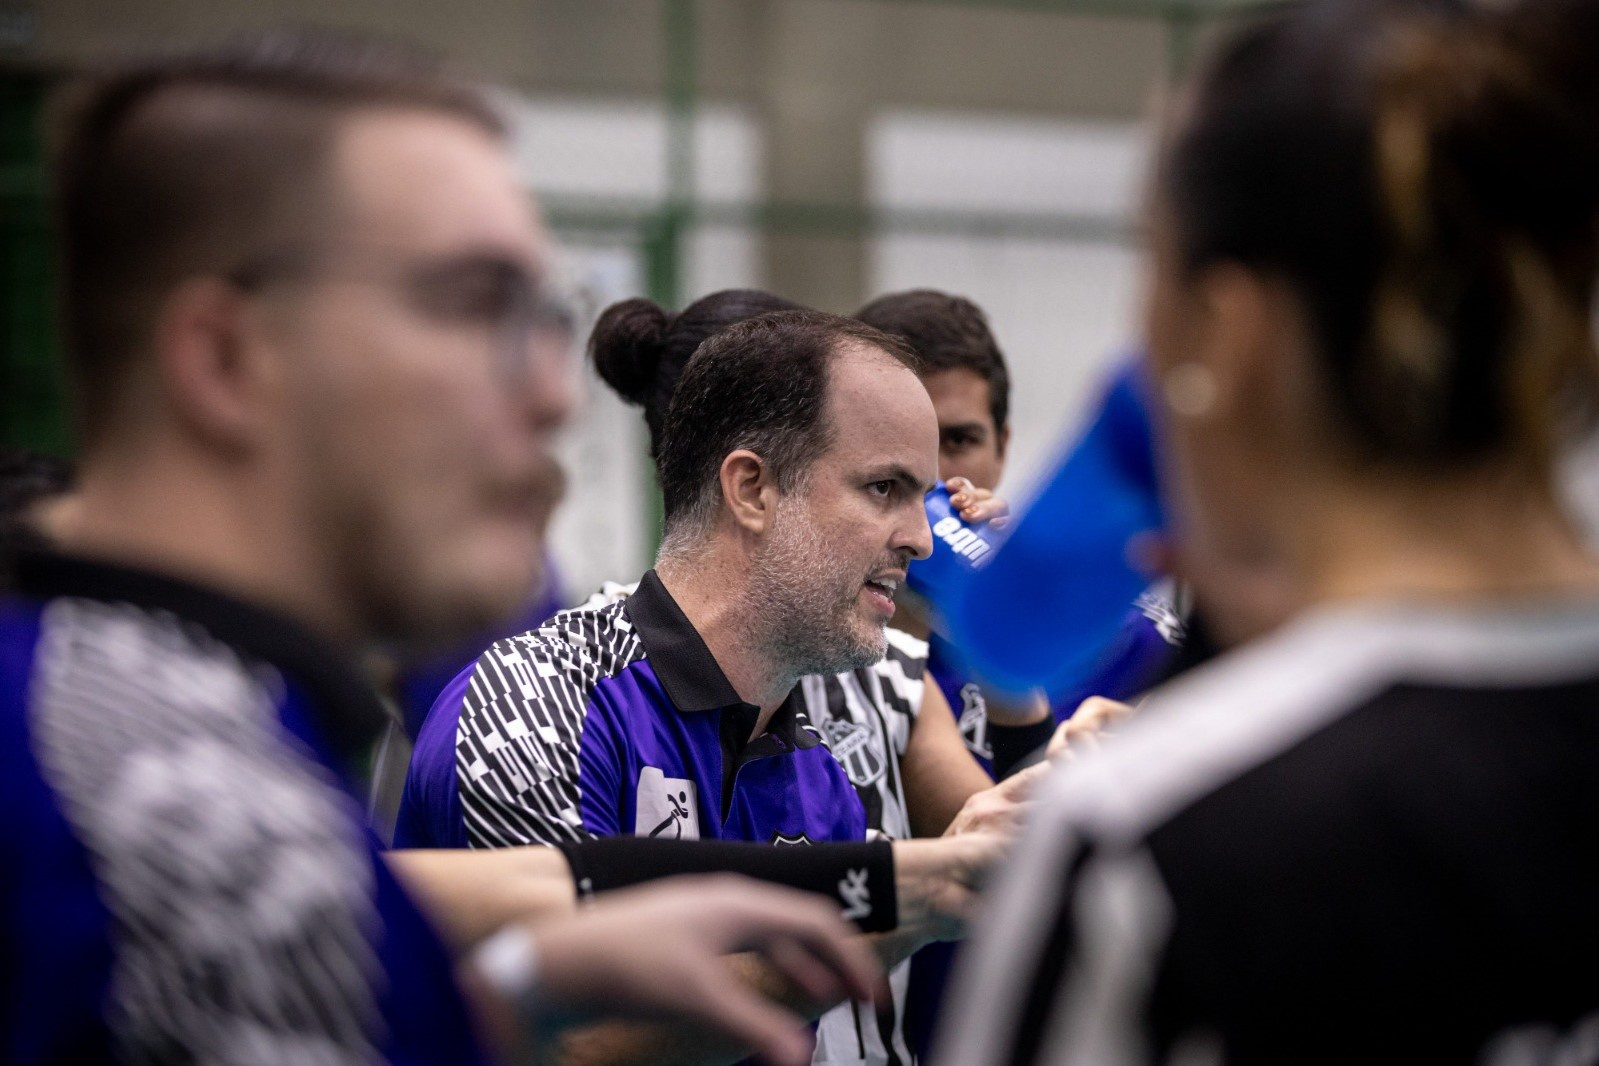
pixel 316 384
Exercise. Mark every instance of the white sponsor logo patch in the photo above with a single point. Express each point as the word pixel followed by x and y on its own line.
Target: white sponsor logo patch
pixel 667 807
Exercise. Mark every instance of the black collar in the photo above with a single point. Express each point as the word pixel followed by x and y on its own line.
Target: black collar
pixel 347 712
pixel 690 673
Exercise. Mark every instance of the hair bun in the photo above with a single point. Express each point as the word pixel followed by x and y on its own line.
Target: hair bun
pixel 627 345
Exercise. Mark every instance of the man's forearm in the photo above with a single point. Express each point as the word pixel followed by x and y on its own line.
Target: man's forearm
pixel 470 894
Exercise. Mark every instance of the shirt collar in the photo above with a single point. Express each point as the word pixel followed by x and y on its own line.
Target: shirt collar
pixel 347 712
pixel 690 673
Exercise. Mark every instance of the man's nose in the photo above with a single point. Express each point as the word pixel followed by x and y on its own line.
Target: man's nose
pixel 916 536
pixel 550 387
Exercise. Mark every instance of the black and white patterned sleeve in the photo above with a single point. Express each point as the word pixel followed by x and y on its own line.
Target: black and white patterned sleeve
pixel 526 749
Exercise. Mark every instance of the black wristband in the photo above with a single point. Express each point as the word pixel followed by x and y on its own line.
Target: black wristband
pixel 858 876
pixel 1013 743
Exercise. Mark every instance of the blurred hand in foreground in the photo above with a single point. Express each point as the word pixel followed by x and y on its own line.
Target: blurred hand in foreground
pixel 1087 727
pixel 658 952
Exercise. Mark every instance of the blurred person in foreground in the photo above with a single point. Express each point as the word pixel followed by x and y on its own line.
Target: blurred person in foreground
pixel 315 387
pixel 793 457
pixel 33 487
pixel 1368 832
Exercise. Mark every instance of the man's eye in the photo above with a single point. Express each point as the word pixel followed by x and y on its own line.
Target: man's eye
pixel 475 294
pixel 881 488
pixel 959 441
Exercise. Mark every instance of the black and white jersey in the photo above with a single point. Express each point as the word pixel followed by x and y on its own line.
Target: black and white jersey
pixel 1373 836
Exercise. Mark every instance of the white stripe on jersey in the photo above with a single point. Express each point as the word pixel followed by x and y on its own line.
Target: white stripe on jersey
pixel 1202 731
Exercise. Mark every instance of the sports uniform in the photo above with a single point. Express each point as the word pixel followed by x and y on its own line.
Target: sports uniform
pixel 417 687
pixel 1368 837
pixel 188 875
pixel 614 718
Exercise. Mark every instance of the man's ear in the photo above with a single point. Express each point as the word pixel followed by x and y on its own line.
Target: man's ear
pixel 1002 442
pixel 749 492
pixel 212 375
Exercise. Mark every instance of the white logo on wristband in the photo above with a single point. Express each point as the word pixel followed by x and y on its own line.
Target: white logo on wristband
pixel 855 892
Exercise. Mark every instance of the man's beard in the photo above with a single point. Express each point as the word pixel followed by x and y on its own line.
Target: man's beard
pixel 805 611
pixel 402 605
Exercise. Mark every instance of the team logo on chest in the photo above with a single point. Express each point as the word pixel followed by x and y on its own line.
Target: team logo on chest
pixel 857 749
pixel 667 807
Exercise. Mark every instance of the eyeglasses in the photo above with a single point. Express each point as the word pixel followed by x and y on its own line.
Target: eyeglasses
pixel 474 290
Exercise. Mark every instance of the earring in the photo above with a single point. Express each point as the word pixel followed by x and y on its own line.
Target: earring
pixel 1189 390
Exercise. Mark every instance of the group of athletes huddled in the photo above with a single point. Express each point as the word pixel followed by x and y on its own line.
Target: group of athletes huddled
pixel 747 803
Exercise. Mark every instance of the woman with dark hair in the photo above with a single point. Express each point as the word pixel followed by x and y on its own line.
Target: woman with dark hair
pixel 1369 831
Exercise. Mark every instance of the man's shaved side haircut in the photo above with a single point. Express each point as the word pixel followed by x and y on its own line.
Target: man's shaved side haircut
pixel 172 168
pixel 760 385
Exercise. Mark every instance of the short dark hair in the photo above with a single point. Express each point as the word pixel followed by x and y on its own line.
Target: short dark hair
pixel 1423 175
pixel 760 384
pixel 184 165
pixel 947 333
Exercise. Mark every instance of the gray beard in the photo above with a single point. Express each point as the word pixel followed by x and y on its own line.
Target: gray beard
pixel 803 601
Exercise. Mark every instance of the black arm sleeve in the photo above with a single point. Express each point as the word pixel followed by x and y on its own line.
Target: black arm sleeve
pixel 858 876
pixel 1012 744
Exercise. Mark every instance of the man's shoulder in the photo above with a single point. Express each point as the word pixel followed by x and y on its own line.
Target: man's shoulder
pixel 908 651
pixel 559 662
pixel 131 659
pixel 904 659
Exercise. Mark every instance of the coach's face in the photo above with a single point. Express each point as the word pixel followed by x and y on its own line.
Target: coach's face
pixel 431 378
pixel 843 539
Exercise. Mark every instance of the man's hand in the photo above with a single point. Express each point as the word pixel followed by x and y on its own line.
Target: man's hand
pixel 998 809
pixel 1084 729
pixel 657 952
pixel 976 505
pixel 938 881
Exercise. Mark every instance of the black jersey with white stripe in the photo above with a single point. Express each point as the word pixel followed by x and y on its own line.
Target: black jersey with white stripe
pixel 1371 837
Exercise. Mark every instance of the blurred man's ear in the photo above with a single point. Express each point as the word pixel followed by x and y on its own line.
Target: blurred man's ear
pixel 1002 443
pixel 749 492
pixel 214 372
